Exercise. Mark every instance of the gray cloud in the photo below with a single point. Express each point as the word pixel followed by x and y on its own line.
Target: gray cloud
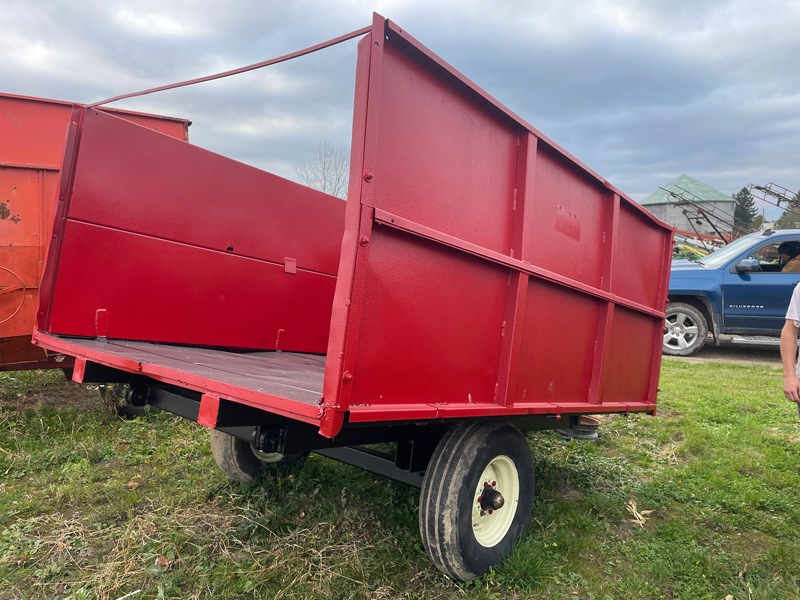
pixel 639 91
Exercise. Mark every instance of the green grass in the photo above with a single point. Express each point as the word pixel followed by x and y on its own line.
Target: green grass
pixel 92 506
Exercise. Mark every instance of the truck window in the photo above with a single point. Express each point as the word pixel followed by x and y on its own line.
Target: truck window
pixel 724 254
pixel 768 257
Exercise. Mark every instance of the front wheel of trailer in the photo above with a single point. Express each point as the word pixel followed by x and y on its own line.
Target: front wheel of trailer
pixel 476 498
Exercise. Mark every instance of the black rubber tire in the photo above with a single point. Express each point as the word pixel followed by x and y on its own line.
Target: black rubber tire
pixel 239 461
pixel 448 496
pixel 685 330
pixel 115 396
pixel 235 457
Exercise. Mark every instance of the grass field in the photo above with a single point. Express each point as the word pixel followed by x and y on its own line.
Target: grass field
pixel 92 506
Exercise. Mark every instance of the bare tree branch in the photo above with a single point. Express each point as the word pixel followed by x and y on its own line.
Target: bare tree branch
pixel 327 170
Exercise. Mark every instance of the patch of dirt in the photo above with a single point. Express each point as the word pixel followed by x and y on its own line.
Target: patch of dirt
pixel 565 490
pixel 57 395
pixel 750 543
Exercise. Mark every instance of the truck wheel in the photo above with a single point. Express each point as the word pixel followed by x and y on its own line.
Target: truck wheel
pixel 239 461
pixel 685 329
pixel 476 498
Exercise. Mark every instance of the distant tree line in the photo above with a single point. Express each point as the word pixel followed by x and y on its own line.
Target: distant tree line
pixel 790 219
pixel 747 219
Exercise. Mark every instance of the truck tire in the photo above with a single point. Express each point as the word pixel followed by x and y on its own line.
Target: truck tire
pixel 239 461
pixel 465 529
pixel 685 329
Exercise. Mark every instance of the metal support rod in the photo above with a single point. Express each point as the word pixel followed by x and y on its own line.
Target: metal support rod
pixel 372 462
pixel 253 67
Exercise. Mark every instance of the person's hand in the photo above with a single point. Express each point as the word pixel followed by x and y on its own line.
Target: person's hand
pixel 791 387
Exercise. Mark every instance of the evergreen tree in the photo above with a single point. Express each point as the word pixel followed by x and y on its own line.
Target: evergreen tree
pixel 790 219
pixel 744 212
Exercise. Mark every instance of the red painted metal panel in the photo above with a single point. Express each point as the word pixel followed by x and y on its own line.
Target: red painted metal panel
pixel 558 345
pixel 189 247
pixel 482 270
pixel 441 159
pixel 630 372
pixel 33 131
pixel 431 324
pixel 639 280
pixel 427 136
pixel 157 290
pixel 131 178
pixel 569 210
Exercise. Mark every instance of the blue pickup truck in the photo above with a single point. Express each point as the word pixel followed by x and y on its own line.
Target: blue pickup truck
pixel 738 290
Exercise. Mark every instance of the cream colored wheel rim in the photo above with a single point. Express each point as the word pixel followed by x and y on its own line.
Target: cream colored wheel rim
pixel 491 526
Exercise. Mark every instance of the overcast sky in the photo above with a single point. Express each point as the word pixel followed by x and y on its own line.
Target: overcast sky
pixel 640 91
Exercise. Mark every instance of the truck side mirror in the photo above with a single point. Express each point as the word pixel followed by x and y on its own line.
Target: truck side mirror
pixel 747 265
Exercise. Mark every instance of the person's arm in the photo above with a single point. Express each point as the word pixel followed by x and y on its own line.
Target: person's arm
pixel 791 385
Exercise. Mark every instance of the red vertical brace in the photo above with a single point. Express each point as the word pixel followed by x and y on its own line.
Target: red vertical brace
pixel 209 410
pixel 57 236
pixel 511 344
pixel 344 324
pixel 666 261
pixel 607 312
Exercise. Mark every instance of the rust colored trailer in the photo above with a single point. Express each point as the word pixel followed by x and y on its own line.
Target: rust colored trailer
pixel 32 136
pixel 478 282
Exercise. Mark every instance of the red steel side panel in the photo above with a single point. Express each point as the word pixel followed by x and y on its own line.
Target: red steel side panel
pixel 441 159
pixel 157 186
pixel 518 281
pixel 557 360
pixel 479 269
pixel 166 242
pixel 427 334
pixel 638 280
pixel 628 369
pixel 33 131
pixel 569 212
pixel 137 287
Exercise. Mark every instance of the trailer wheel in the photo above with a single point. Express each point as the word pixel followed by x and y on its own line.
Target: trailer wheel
pixel 239 461
pixel 118 397
pixel 685 329
pixel 235 457
pixel 276 458
pixel 476 498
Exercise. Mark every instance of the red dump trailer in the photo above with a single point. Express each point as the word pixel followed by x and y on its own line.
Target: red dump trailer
pixel 477 283
pixel 32 134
